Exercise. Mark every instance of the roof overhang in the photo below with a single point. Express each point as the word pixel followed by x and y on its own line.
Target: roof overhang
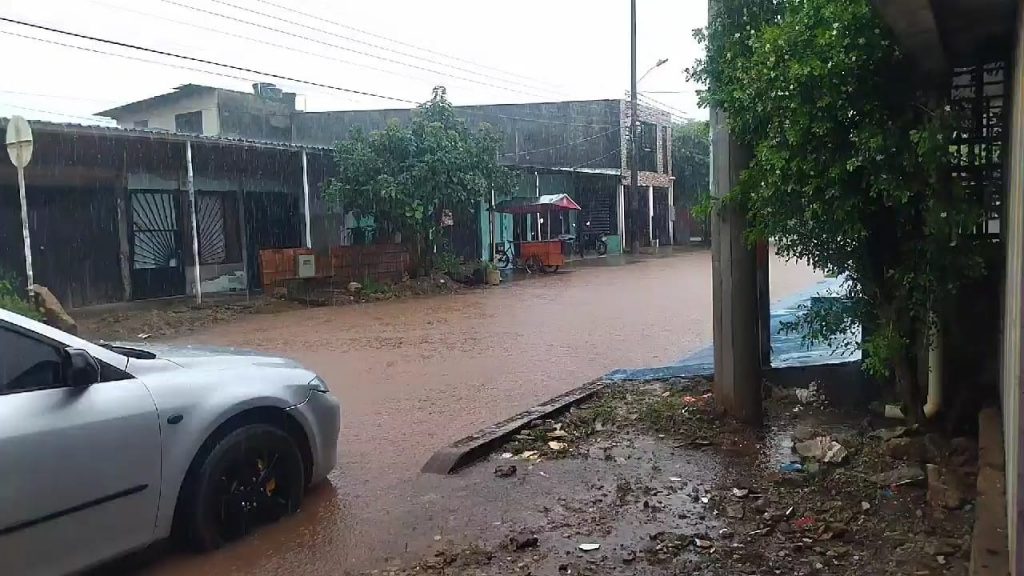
pixel 943 34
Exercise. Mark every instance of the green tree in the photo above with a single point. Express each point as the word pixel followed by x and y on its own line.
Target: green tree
pixel 691 165
pixel 405 176
pixel 849 171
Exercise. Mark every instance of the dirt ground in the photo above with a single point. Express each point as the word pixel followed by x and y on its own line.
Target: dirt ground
pixel 651 482
pixel 414 374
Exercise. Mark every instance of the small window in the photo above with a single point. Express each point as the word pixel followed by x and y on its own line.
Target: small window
pixel 189 122
pixel 141 124
pixel 27 363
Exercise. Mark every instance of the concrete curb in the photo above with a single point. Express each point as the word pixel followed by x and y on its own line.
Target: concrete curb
pixel 990 554
pixel 468 450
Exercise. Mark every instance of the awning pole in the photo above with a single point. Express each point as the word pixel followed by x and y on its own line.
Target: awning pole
pixel 192 218
pixel 305 199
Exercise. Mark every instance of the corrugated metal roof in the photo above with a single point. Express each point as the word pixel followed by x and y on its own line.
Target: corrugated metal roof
pixel 160 135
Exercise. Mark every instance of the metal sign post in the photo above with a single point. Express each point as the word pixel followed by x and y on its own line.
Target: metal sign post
pixel 19 148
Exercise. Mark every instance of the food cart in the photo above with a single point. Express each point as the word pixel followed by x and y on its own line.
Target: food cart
pixel 534 255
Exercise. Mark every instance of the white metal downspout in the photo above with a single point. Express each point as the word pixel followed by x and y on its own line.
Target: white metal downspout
pixel 192 219
pixel 934 402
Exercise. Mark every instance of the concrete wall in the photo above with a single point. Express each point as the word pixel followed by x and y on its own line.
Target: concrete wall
pixel 162 117
pixel 662 178
pixel 555 134
pixel 253 117
pixel 1013 236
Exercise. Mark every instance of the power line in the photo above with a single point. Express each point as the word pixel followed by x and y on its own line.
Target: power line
pixel 56 96
pixel 332 45
pixel 94 119
pixel 401 43
pixel 201 60
pixel 652 102
pixel 260 41
pixel 561 145
pixel 335 59
pixel 339 47
pixel 241 69
pixel 602 157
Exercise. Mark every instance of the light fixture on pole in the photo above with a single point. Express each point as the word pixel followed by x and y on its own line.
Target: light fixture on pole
pixel 657 64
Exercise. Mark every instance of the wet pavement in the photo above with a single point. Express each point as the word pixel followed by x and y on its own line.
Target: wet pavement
pixel 416 374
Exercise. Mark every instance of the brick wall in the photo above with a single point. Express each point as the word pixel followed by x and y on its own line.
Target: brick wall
pixel 279 264
pixel 386 263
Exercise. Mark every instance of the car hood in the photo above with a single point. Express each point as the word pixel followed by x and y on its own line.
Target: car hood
pixel 212 358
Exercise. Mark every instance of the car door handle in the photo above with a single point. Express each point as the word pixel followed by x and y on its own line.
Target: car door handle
pixel 175 418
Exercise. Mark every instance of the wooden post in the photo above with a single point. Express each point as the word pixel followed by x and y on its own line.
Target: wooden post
pixel 122 200
pixel 192 222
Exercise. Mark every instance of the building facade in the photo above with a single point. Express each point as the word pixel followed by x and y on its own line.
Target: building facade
pixel 576 147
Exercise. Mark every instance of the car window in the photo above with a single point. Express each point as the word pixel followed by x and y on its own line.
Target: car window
pixel 27 363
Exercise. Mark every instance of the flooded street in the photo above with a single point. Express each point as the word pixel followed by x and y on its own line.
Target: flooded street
pixel 416 374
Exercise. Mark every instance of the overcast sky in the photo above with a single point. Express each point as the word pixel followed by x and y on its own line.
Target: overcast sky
pixel 483 51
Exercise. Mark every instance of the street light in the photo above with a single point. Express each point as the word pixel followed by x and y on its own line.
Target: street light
pixel 634 192
pixel 651 69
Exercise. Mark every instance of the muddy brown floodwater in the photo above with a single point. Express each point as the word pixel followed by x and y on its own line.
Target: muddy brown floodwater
pixel 416 374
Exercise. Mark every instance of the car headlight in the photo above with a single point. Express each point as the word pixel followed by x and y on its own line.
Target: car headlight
pixel 317 384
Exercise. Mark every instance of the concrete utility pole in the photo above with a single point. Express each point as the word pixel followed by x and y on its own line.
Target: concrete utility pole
pixel 634 181
pixel 737 342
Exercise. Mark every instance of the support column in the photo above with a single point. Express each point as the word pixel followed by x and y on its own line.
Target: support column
pixel 305 200
pixel 243 232
pixel 672 212
pixel 192 222
pixel 620 205
pixel 650 215
pixel 124 252
pixel 737 383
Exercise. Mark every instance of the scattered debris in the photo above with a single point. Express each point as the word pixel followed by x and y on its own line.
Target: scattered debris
pixel 740 492
pixel 702 543
pixel 822 448
pixel 807 395
pixel 628 556
pixel 903 448
pixel 588 547
pixel 907 474
pixel 946 487
pixel 734 511
pixel 865 506
pixel 884 434
pixel 894 411
pixel 802 523
pixel 557 445
pixel 354 287
pixel 522 541
pixel 791 467
pixel 505 471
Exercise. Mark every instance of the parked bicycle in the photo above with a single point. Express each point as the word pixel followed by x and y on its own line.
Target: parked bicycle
pixel 505 256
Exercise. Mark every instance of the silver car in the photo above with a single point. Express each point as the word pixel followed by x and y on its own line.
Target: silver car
pixel 106 449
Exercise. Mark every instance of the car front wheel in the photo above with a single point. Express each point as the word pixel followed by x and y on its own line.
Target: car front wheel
pixel 253 476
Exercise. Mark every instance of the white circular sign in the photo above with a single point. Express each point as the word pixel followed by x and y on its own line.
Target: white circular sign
pixel 19 141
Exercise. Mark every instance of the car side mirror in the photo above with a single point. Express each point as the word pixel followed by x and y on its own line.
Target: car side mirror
pixel 80 368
